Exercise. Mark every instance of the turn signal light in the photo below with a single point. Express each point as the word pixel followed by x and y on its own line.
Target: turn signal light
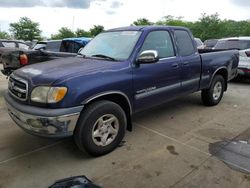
pixel 23 59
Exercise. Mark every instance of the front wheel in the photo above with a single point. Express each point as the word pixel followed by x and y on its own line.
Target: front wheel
pixel 214 94
pixel 100 128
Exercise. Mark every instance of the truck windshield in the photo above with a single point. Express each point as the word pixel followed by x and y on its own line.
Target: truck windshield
pixel 117 45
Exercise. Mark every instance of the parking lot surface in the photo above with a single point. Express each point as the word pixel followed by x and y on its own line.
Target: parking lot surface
pixel 170 146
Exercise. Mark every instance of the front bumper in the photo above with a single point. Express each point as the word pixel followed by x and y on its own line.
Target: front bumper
pixel 55 123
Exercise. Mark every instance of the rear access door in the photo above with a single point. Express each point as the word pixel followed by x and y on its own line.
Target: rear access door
pixel 190 61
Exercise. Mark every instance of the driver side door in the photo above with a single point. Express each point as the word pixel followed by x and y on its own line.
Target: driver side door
pixel 157 82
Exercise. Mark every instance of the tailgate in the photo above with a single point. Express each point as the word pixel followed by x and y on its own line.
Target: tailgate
pixel 244 59
pixel 10 60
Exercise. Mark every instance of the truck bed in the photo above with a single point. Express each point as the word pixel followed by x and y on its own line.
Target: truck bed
pixel 212 59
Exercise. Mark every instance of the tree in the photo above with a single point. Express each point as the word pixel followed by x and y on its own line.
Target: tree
pixel 4 35
pixel 25 29
pixel 142 21
pixel 64 32
pixel 174 21
pixel 208 27
pixel 82 33
pixel 96 30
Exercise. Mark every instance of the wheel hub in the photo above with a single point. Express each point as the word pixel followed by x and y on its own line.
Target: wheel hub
pixel 105 130
pixel 217 90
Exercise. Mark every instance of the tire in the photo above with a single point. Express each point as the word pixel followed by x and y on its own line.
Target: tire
pixel 214 94
pixel 100 128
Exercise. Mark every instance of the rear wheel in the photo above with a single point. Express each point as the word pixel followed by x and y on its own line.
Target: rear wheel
pixel 100 128
pixel 214 94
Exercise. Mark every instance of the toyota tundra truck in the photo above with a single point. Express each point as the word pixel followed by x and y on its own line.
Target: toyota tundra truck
pixel 122 71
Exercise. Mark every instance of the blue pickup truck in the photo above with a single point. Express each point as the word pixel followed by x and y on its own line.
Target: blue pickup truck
pixel 120 72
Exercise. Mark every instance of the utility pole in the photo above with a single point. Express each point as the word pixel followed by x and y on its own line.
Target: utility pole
pixel 73 23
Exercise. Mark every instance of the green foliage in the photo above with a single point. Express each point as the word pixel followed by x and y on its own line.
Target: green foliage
pixel 96 30
pixel 64 32
pixel 173 21
pixel 25 29
pixel 207 27
pixel 82 33
pixel 4 35
pixel 142 21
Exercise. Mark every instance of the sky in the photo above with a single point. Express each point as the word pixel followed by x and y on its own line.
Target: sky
pixel 54 14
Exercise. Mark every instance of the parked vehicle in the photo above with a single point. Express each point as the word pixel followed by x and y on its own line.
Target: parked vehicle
pixel 52 45
pixel 243 45
pixel 209 44
pixel 199 43
pixel 120 72
pixel 42 51
pixel 9 45
pixel 13 44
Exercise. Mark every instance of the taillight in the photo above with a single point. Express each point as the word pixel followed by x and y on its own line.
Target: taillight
pixel 247 53
pixel 23 59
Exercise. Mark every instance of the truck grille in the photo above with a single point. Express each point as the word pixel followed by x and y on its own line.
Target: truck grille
pixel 18 88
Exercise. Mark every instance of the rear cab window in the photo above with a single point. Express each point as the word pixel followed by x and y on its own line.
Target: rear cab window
pixel 184 43
pixel 161 42
pixel 53 46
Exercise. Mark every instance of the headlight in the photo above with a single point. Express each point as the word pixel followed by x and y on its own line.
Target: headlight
pixel 45 94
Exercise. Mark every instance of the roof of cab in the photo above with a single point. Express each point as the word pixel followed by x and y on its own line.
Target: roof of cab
pixel 81 40
pixel 144 28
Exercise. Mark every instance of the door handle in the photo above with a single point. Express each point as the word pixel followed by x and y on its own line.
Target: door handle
pixel 175 65
pixel 185 63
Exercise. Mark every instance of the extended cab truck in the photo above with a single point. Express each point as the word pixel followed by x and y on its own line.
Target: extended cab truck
pixel 120 72
pixel 43 51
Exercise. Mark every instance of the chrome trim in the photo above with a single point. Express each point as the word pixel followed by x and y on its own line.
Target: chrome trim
pixel 191 81
pixel 205 77
pixel 20 90
pixel 108 93
pixel 166 58
pixel 157 91
pixel 60 126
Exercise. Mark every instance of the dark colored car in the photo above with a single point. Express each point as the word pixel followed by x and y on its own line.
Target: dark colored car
pixel 53 45
pixel 9 45
pixel 120 72
pixel 42 51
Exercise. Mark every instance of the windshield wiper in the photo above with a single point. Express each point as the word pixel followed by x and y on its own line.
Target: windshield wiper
pixel 104 56
pixel 81 55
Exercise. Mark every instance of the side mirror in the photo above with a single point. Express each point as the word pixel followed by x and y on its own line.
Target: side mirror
pixel 148 56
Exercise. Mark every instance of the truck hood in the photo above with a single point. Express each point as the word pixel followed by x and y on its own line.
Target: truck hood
pixel 65 68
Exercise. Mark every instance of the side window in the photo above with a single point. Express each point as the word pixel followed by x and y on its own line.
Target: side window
pixel 9 44
pixel 76 47
pixel 24 46
pixel 70 46
pixel 161 42
pixel 53 46
pixel 184 42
